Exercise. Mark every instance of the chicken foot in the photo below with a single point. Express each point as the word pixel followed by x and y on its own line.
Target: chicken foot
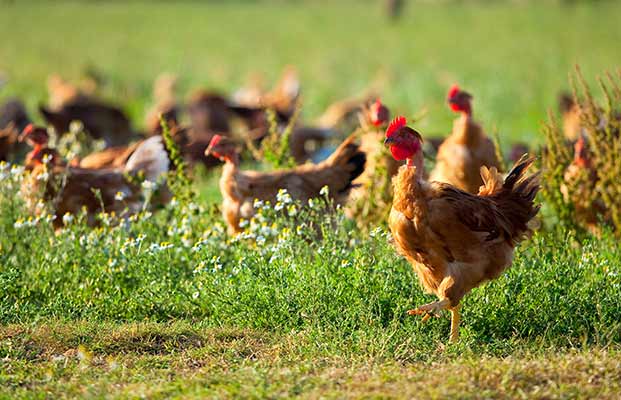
pixel 433 308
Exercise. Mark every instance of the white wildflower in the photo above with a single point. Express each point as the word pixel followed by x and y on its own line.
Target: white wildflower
pixel 43 176
pixel 76 127
pixel 292 209
pixel 311 203
pixel 279 206
pixel 67 218
pixel 258 203
pixel 119 196
pixel 148 185
pixel 260 240
pixel 19 223
pixel 324 191
pixel 17 170
pixel 283 196
pixel 46 158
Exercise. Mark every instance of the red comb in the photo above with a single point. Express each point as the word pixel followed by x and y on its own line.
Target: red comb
pixel 395 125
pixel 453 91
pixel 215 140
pixel 28 129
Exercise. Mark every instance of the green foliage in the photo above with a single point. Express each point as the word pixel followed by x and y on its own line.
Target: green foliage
pixel 275 149
pixel 178 180
pixel 586 196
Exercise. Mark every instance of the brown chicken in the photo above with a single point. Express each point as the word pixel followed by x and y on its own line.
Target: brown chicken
pixel 240 188
pixel 165 104
pixel 461 156
pixel 571 115
pixel 101 121
pixel 456 240
pixel 191 145
pixel 70 189
pixel 62 92
pixel 380 166
pixel 580 180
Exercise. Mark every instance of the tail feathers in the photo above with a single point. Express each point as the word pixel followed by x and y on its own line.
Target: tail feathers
pixel 492 181
pixel 516 198
pixel 348 156
pixel 151 158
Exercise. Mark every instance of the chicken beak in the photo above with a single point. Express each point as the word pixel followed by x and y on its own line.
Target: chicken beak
pixel 389 141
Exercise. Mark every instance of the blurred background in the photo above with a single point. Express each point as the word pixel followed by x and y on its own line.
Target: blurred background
pixel 513 56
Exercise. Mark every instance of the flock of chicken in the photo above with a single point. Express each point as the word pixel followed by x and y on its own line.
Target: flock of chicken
pixel 457 226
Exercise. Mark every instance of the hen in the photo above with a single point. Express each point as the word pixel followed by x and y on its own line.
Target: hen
pixel 456 240
pixel 240 188
pixel 466 150
pixel 69 189
pixel 371 196
pixel 580 181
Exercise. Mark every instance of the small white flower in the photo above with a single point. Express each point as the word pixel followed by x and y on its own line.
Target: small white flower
pixel 311 203
pixel 243 223
pixel 195 295
pixel 260 240
pixel 324 191
pixel 44 176
pixel 283 196
pixel 174 202
pixel 279 206
pixel 119 196
pixel 149 185
pixel 46 158
pixel 17 170
pixel 67 218
pixel 258 203
pixel 19 223
pixel 292 209
pixel 76 127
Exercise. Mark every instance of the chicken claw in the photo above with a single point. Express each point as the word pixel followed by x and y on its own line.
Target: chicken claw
pixel 431 308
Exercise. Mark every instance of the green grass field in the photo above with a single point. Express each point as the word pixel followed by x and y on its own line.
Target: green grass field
pixel 169 306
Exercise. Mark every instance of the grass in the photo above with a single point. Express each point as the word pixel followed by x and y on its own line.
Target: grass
pixel 168 306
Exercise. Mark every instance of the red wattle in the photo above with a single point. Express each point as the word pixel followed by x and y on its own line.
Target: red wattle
pixel 399 153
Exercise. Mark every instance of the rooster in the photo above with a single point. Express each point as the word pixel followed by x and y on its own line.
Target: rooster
pixel 69 189
pixel 466 150
pixel 456 240
pixel 240 188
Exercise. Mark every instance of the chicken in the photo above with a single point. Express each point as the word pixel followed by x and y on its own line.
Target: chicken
pixel 455 240
pixel 101 121
pixel 192 147
pixel 372 192
pixel 110 158
pixel 62 93
pixel 165 104
pixel 461 156
pixel 70 190
pixel 240 188
pixel 571 115
pixel 13 111
pixel 580 180
pixel 209 112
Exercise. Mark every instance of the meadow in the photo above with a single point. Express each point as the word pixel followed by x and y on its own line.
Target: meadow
pixel 167 305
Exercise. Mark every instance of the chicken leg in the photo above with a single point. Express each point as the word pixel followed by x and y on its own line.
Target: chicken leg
pixel 455 318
